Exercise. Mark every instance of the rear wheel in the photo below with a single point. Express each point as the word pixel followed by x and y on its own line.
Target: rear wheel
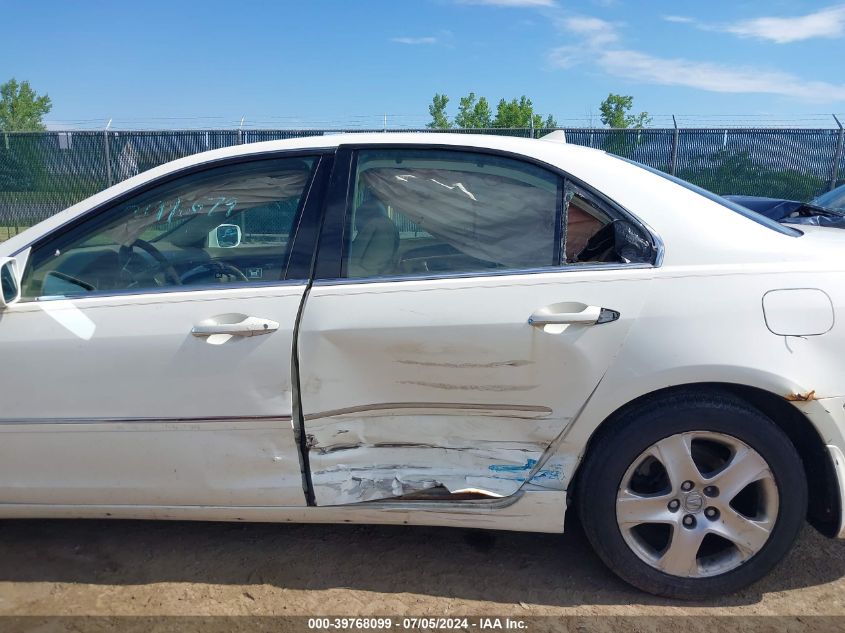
pixel 692 495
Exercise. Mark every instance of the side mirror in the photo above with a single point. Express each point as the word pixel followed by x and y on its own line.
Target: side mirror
pixel 9 284
pixel 225 236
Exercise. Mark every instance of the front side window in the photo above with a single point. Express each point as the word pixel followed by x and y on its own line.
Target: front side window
pixel 431 212
pixel 225 225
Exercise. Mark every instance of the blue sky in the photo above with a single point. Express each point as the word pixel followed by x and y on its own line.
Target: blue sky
pixel 327 63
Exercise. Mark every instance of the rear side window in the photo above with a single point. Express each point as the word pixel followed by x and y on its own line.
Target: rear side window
pixel 431 211
pixel 435 212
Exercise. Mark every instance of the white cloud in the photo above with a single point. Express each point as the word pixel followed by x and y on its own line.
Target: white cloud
pixel 595 31
pixel 824 23
pixel 827 23
pixel 715 77
pixel 511 3
pixel 414 40
pixel 598 46
pixel 680 19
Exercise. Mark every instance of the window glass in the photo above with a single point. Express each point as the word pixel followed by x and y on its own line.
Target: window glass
pixel 594 236
pixel 433 211
pixel 226 225
pixel 584 218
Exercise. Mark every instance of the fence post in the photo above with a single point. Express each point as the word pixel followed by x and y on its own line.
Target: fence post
pixel 837 158
pixel 673 163
pixel 108 152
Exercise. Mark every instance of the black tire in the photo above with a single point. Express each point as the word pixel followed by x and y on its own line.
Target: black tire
pixel 613 451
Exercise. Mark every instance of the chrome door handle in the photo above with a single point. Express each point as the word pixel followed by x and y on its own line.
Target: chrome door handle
pixel 567 313
pixel 235 325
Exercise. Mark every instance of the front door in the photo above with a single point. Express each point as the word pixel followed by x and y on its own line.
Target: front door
pixel 478 303
pixel 149 360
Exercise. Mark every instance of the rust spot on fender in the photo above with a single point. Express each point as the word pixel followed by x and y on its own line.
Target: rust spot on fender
pixel 801 397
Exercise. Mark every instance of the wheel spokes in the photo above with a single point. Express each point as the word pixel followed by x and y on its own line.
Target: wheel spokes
pixel 675 453
pixel 748 536
pixel 681 556
pixel 746 467
pixel 633 509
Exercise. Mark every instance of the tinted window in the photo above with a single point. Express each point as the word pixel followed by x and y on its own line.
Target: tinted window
pixel 227 225
pixel 432 211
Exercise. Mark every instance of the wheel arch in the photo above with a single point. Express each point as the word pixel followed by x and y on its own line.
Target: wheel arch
pixel 824 507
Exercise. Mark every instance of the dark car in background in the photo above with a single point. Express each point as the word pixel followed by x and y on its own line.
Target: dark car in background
pixel 827 209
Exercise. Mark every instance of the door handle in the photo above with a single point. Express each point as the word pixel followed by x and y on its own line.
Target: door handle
pixel 235 325
pixel 571 312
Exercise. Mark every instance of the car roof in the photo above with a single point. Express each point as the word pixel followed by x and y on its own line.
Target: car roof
pixel 518 145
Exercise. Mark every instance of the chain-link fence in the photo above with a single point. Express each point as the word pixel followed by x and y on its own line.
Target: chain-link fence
pixel 42 173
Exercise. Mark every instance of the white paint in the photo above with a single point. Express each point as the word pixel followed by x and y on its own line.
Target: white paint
pixel 696 318
pixel 190 463
pixel 420 342
pixel 93 359
pixel 530 511
pixel 74 320
pixel 798 312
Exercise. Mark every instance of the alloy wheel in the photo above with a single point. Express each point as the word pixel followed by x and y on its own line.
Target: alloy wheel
pixel 697 504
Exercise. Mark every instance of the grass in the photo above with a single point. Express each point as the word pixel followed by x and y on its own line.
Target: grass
pixel 10 231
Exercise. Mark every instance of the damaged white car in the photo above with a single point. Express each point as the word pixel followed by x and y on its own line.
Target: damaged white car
pixel 432 329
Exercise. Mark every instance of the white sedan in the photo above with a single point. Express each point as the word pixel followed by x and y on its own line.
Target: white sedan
pixel 432 329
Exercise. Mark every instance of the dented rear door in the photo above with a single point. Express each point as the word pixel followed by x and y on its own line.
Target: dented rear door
pixel 433 385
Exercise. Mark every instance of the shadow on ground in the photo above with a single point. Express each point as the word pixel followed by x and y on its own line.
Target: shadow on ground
pixel 504 567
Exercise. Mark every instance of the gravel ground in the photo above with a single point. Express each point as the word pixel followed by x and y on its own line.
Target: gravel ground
pixel 111 568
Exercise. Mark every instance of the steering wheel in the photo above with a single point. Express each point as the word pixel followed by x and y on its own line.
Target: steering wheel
pixel 218 269
pixel 124 256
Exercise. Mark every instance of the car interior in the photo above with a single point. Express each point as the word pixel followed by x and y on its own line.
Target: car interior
pixel 220 233
pixel 387 243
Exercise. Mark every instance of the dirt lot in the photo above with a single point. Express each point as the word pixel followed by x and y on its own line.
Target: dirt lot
pixel 158 568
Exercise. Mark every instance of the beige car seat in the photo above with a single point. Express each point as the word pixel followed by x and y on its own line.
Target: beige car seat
pixel 374 250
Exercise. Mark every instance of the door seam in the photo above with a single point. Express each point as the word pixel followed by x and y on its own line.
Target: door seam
pixel 298 418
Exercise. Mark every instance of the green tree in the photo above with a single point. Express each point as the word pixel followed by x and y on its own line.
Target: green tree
pixel 474 114
pixel 514 113
pixel 519 113
pixel 437 110
pixel 615 114
pixel 549 122
pixel 21 109
pixel 615 109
